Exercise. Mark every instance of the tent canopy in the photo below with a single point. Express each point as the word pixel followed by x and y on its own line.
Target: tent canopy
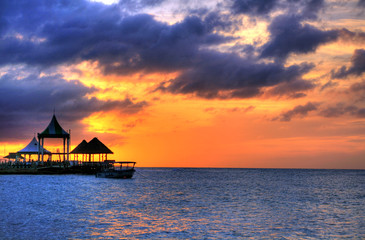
pixel 32 148
pixel 54 130
pixel 92 147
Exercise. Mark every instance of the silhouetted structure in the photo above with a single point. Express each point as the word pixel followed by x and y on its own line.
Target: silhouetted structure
pixel 54 130
pixel 14 156
pixel 33 148
pixel 88 165
pixel 95 146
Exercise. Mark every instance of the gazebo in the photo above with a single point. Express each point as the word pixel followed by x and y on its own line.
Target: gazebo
pixel 80 149
pixel 54 130
pixel 95 146
pixel 33 148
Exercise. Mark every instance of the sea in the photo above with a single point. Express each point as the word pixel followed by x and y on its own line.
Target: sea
pixel 186 203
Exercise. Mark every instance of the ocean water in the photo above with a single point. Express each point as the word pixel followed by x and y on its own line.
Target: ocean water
pixel 165 203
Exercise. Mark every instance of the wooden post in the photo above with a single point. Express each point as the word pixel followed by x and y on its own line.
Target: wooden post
pixel 39 147
pixel 68 148
pixel 64 148
pixel 42 149
pixel 68 144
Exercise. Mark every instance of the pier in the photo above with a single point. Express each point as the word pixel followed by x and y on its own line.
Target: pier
pixel 86 158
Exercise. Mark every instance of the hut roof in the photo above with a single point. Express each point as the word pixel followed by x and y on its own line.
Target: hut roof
pixel 32 148
pixel 81 148
pixel 54 130
pixel 95 146
pixel 13 156
pixel 92 147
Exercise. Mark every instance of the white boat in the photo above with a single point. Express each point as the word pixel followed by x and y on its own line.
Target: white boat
pixel 113 169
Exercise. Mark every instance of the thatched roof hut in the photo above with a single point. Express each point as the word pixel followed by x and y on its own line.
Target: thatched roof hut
pixel 95 146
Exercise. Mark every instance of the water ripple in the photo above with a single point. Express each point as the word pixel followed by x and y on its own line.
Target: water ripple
pixel 186 204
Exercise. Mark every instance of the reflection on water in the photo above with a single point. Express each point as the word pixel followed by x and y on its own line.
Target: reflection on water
pixel 185 204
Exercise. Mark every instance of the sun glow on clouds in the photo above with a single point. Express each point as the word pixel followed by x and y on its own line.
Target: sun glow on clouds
pixel 113 86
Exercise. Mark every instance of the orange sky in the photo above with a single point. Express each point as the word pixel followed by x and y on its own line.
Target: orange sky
pixel 322 127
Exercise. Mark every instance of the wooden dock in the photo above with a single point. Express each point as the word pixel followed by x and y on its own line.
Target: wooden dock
pixel 50 168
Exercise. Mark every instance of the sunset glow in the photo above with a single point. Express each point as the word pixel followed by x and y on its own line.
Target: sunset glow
pixel 230 83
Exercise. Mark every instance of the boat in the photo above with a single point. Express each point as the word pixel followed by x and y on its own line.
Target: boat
pixel 113 169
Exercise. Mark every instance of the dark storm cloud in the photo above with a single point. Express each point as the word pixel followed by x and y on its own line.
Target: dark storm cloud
pixel 311 7
pixel 361 3
pixel 305 8
pixel 26 102
pixel 300 110
pixel 48 33
pixel 135 5
pixel 220 75
pixel 121 44
pixel 153 46
pixel 357 66
pixel 52 32
pixel 253 7
pixel 289 35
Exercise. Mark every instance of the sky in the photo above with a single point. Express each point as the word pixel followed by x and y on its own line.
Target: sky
pixel 172 83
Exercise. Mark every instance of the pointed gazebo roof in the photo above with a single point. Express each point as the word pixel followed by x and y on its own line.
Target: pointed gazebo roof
pixel 92 147
pixel 32 148
pixel 54 130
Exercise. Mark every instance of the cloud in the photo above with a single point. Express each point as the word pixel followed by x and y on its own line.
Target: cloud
pixel 356 92
pixel 361 3
pixel 311 8
pixel 351 36
pixel 329 84
pixel 358 88
pixel 28 101
pixel 293 89
pixel 230 110
pixel 341 109
pixel 300 110
pixel 305 8
pixel 253 7
pixel 357 66
pixel 288 35
pixel 35 38
pixel 222 75
pixel 158 47
pixel 328 111
pixel 120 43
pixel 137 5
